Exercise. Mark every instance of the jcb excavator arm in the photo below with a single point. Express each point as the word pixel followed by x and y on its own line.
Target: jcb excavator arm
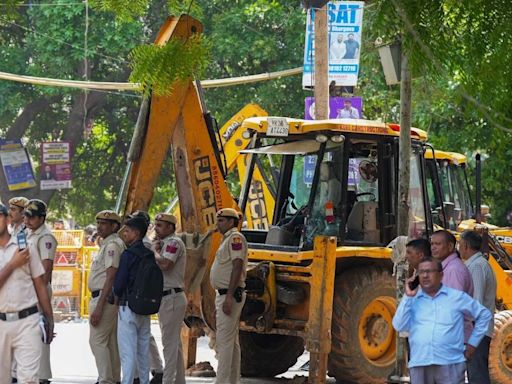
pixel 178 122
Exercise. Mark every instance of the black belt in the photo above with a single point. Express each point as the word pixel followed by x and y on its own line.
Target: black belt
pixel 169 291
pixel 11 316
pixel 223 291
pixel 95 294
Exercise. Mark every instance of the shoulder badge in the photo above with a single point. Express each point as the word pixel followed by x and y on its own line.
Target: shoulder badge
pixel 172 247
pixel 48 245
pixel 236 243
pixel 111 253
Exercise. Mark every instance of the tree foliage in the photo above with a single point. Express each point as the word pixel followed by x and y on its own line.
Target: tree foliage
pixel 459 52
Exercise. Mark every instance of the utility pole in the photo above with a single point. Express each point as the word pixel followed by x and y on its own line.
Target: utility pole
pixel 319 352
pixel 404 169
pixel 321 64
pixel 404 173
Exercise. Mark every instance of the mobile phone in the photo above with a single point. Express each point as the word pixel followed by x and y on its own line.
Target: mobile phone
pixel 22 240
pixel 414 284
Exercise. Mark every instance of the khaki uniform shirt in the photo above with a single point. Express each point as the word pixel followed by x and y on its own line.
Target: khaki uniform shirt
pixel 233 246
pixel 14 230
pixel 42 243
pixel 108 256
pixel 173 248
pixel 18 291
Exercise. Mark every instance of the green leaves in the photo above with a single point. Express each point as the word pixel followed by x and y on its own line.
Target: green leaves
pixel 158 67
pixel 125 10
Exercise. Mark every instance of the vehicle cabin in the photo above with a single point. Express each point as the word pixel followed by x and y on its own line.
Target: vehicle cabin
pixel 332 177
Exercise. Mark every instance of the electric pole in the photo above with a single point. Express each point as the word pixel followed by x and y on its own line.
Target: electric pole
pixel 321 64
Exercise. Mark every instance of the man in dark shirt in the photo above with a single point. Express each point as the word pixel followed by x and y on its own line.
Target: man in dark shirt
pixel 133 330
pixel 352 47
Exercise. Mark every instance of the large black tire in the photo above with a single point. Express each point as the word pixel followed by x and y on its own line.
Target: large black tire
pixel 268 355
pixel 363 339
pixel 500 352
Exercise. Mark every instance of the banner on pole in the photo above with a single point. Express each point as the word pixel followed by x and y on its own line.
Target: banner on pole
pixel 55 165
pixel 16 165
pixel 345 22
pixel 339 108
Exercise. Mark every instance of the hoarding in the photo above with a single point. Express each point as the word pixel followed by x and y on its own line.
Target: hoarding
pixel 55 165
pixel 16 165
pixel 345 21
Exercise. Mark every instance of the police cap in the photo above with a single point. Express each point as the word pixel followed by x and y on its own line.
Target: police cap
pixel 229 212
pixel 20 202
pixel 108 215
pixel 35 207
pixel 167 218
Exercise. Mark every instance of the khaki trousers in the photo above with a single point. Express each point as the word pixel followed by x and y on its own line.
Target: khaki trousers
pixel 227 344
pixel 103 342
pixel 170 317
pixel 45 368
pixel 20 340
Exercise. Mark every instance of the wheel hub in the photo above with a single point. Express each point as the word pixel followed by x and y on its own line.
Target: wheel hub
pixel 506 352
pixel 376 333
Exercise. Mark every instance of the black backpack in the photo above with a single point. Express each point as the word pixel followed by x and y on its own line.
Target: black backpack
pixel 145 295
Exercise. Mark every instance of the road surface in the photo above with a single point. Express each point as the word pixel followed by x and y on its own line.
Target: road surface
pixel 73 363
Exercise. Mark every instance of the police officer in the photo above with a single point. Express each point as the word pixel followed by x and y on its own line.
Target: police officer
pixel 103 315
pixel 21 288
pixel 16 207
pixel 227 277
pixel 42 244
pixel 171 258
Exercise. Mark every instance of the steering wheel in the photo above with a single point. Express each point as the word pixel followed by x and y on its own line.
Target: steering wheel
pixel 371 194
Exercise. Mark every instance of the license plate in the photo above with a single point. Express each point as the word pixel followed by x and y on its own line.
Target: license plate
pixel 277 126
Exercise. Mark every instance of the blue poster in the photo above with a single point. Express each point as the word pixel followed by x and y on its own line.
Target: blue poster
pixel 345 21
pixel 16 165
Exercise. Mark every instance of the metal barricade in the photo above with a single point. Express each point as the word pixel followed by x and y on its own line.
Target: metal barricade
pixel 69 275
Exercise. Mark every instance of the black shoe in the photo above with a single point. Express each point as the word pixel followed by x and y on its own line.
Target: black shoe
pixel 157 378
pixel 136 381
pixel 44 381
pixel 14 380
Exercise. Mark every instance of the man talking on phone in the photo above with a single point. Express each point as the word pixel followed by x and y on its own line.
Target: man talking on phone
pixel 433 315
pixel 22 287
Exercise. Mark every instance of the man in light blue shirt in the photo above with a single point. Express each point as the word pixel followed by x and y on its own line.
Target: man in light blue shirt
pixel 433 315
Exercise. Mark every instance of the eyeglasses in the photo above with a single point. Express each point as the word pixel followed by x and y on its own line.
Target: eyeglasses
pixel 427 271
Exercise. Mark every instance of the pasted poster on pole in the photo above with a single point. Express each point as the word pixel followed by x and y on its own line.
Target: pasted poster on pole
pixel 345 22
pixel 55 165
pixel 339 108
pixel 16 165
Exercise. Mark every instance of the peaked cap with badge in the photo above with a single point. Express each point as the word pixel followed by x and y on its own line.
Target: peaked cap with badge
pixel 229 212
pixel 168 218
pixel 108 215
pixel 20 202
pixel 35 207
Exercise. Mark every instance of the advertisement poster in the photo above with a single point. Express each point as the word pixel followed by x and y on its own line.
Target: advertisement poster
pixel 16 165
pixel 339 108
pixel 345 21
pixel 55 165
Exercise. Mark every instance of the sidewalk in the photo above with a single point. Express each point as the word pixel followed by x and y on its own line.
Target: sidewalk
pixel 73 362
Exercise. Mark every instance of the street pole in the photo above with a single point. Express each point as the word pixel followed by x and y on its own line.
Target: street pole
pixel 404 171
pixel 319 352
pixel 321 64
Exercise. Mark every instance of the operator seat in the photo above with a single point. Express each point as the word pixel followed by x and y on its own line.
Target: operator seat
pixel 362 222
